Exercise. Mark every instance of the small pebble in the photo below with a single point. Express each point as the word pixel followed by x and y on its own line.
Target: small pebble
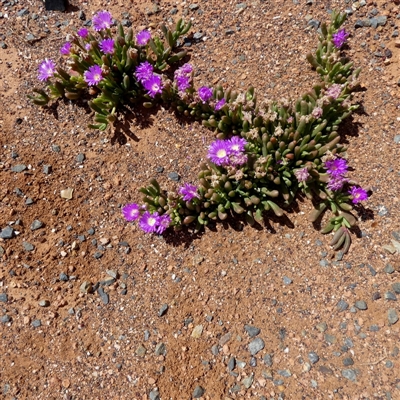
pixel 163 310
pixel 252 331
pixel 256 346
pixel 348 361
pixel 313 357
pixel 44 303
pixel 349 374
pixel 198 392
pixel 361 305
pixel 392 316
pixel 342 305
pixel 5 318
pixel 36 323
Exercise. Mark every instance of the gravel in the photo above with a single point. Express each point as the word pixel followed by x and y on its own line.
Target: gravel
pixel 392 316
pixel 349 374
pixel 252 331
pixel 313 357
pixel 163 310
pixel 198 392
pixel 256 346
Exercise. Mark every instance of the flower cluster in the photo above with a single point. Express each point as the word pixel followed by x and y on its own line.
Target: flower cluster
pixel 228 152
pixel 189 192
pixel 150 81
pixel 114 61
pixel 337 168
pixel 148 222
pixel 183 77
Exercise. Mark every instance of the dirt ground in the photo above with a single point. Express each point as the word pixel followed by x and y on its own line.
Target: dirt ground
pixel 60 342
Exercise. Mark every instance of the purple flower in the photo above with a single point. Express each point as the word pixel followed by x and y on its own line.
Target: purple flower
pixel 358 194
pixel 218 152
pixel 83 33
pixel 182 82
pixel 205 93
pixel 102 20
pixel 334 91
pixel 107 46
pixel 236 144
pixel 93 75
pixel 220 104
pixel 185 70
pixel 153 85
pixel 131 212
pixel 88 46
pixel 339 38
pixel 336 182
pixel 66 48
pixel 144 71
pixel 163 223
pixel 317 112
pixel 302 174
pixel 336 168
pixel 46 69
pixel 149 222
pixel 188 191
pixel 143 37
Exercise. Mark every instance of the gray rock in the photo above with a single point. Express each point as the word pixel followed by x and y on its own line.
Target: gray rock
pixel 215 350
pixel 3 297
pixel 342 305
pixel 56 148
pixel 361 305
pixel 63 277
pixel 390 296
pixel 314 23
pixel 7 233
pixel 389 269
pixel 252 331
pixel 103 295
pixel 286 280
pixel 253 362
pixel 396 287
pixel 36 323
pixel 163 310
pixel 231 364
pixel 80 158
pixel 28 201
pixel 330 338
pixel 18 168
pixel 23 12
pixel 160 349
pixel 313 357
pixel 36 224
pixel 86 287
pixel 248 381
pixel 47 169
pixel 198 392
pixel 349 374
pixel 28 246
pixel 389 364
pixel 285 373
pixel 193 7
pixel 374 328
pixel 44 303
pixel 371 270
pixel 154 395
pixel 392 316
pixel 255 346
pixel 5 318
pixel 198 35
pixel 97 255
pixel 268 360
pixel 397 139
pixel 324 263
pixel 174 176
pixel 348 361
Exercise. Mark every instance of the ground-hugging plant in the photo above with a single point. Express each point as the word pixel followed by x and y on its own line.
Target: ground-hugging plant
pixel 265 154
pixel 116 68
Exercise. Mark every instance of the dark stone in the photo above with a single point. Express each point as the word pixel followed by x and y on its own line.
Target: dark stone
pixel 103 295
pixel 163 310
pixel 7 233
pixel 18 168
pixel 252 331
pixel 5 318
pixel 174 176
pixel 55 5
pixel 3 297
pixel 198 392
pixel 47 169
pixel 63 277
